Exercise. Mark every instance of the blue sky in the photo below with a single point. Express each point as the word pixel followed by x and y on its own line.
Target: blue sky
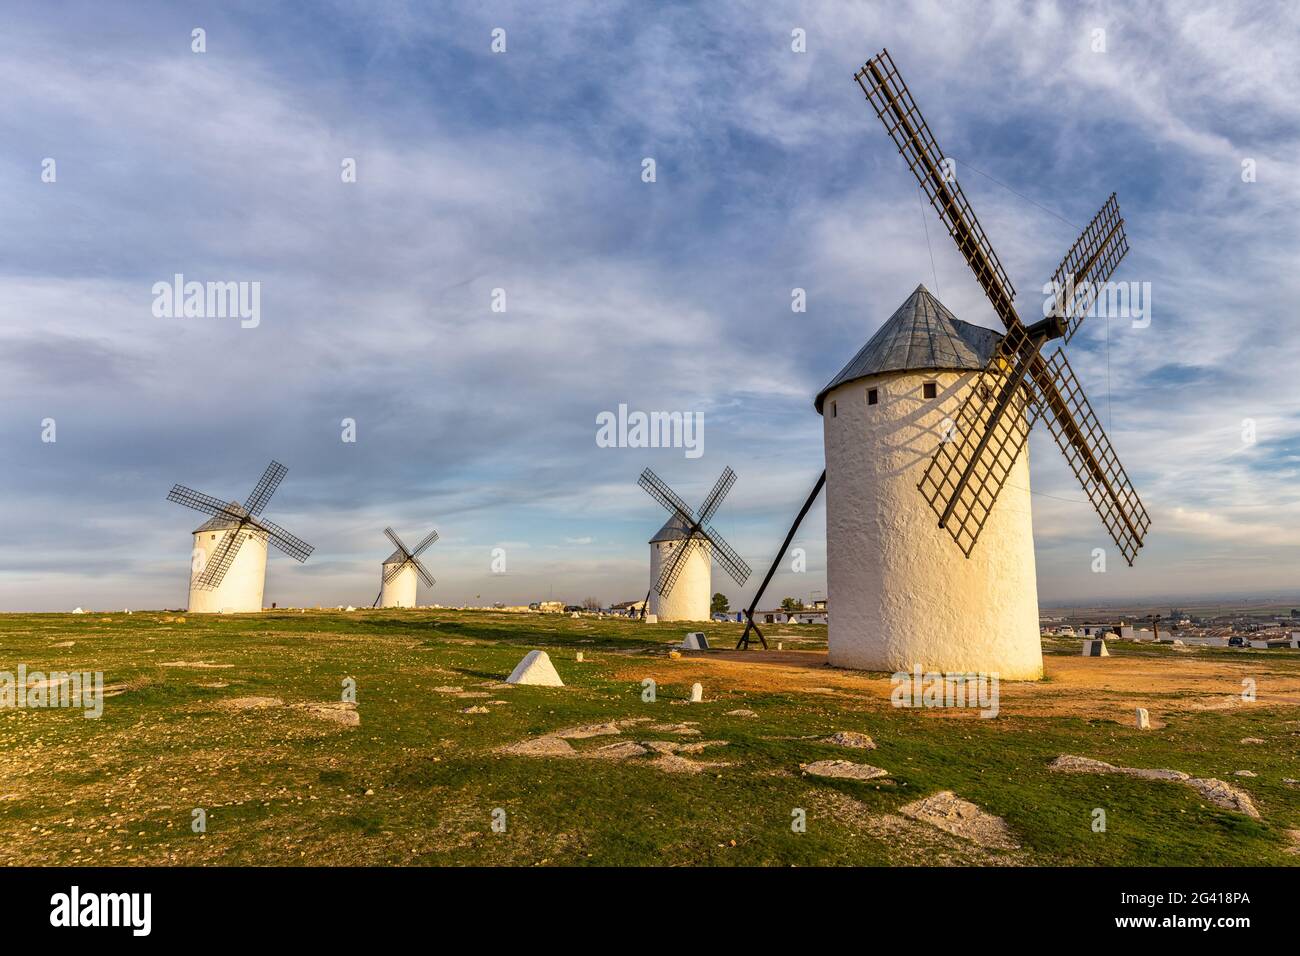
pixel 522 171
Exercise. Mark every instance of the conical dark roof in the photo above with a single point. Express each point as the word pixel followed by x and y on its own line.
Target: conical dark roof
pixel 922 334
pixel 674 529
pixel 221 522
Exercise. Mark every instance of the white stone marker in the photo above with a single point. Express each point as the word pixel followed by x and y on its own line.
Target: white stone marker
pixel 1095 648
pixel 578 658
pixel 695 641
pixel 697 693
pixel 536 668
pixel 1143 719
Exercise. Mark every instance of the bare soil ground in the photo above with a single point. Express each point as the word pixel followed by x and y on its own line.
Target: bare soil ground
pixel 1107 688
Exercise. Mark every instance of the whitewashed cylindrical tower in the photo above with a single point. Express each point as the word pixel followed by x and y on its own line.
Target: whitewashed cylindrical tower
pixel 901 592
pixel 400 590
pixel 242 586
pixel 690 596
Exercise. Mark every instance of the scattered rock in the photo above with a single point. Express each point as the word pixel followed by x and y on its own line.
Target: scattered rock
pixel 697 746
pixel 201 665
pixel 1176 775
pixel 1066 763
pixel 590 730
pixel 474 693
pixel 851 738
pixel 1252 740
pixel 339 711
pixel 64 644
pixel 1244 773
pixel 1224 795
pixel 253 703
pixel 741 712
pixel 548 746
pixel 961 818
pixel 844 769
pixel 673 747
pixel 475 710
pixel 684 730
pixel 619 750
pixel 1221 794
pixel 1293 836
pixel 449 690
pixel 671 763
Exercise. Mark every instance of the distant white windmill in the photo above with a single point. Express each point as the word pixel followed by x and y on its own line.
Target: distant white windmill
pixel 228 566
pixel 683 551
pixel 401 568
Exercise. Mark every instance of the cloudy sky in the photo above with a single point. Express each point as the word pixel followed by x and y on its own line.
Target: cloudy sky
pixel 522 171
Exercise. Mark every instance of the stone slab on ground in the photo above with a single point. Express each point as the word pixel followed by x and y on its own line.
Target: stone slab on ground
pixel 843 769
pixel 961 818
pixel 851 738
pixel 1221 794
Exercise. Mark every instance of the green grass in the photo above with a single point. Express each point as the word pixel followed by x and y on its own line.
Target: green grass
pixel 281 786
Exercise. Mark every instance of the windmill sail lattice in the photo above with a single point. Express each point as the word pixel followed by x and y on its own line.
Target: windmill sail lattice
pixel 695 529
pixel 243 522
pixel 1019 385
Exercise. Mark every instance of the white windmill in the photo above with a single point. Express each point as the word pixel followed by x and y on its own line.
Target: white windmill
pixel 228 562
pixel 400 571
pixel 929 421
pixel 682 552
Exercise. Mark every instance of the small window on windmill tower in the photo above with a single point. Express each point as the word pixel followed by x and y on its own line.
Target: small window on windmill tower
pixel 834 411
pixel 930 389
pixel 873 396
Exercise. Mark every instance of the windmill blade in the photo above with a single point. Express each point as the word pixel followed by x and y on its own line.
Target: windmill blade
pixel 1082 440
pixel 393 570
pixel 197 500
pixel 974 458
pixel 890 98
pixel 293 546
pixel 1090 262
pixel 714 500
pixel 215 571
pixel 427 540
pixel 423 572
pixel 726 556
pixel 392 536
pixel 673 569
pixel 661 493
pixel 266 486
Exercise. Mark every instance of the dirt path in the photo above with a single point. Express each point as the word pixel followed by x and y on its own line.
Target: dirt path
pixel 1107 688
